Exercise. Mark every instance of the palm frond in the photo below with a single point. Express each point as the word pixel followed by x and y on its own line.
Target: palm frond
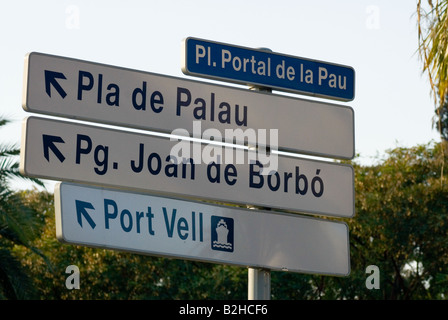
pixel 9 150
pixel 433 46
pixel 9 169
pixel 3 121
pixel 18 226
pixel 14 282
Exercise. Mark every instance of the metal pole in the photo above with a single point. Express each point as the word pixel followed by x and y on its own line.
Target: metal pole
pixel 259 280
pixel 259 284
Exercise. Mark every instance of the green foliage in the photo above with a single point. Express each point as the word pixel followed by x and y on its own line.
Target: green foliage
pixel 440 120
pixel 18 227
pixel 433 46
pixel 401 214
pixel 433 50
pixel 108 274
pixel 400 226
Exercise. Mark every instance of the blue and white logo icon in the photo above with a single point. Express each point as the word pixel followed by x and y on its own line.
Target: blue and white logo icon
pixel 222 233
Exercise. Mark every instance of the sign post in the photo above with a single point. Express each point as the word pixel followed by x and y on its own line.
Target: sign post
pixel 259 280
pixel 259 284
pixel 249 172
pixel 266 70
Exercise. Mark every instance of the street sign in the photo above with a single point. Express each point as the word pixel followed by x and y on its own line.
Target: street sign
pixel 90 91
pixel 260 67
pixel 69 151
pixel 154 225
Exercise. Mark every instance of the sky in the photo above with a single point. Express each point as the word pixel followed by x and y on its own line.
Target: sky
pixel 393 106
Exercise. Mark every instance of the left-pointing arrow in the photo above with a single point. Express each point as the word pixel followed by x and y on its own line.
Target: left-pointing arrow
pixel 50 79
pixel 49 143
pixel 81 207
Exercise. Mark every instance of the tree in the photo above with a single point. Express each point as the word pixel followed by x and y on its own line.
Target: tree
pixel 18 226
pixel 433 46
pixel 433 50
pixel 400 223
pixel 400 226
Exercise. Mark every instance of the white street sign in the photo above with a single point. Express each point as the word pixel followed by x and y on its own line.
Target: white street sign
pixel 174 228
pixel 97 92
pixel 69 151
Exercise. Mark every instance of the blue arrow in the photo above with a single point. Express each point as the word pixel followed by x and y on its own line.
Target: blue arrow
pixel 50 79
pixel 49 143
pixel 81 207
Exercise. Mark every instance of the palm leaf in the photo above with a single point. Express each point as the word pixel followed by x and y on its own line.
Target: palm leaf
pixel 9 168
pixel 18 226
pixel 14 282
pixel 433 46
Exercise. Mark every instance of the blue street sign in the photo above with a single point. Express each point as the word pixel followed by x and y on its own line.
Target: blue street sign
pixel 263 68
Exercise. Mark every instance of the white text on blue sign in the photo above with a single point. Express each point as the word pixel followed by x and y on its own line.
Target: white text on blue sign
pixel 260 67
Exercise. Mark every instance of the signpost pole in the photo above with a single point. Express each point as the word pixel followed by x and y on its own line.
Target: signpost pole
pixel 259 285
pixel 259 280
